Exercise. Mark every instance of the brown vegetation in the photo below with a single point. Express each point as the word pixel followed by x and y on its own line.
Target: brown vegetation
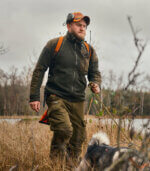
pixel 25 145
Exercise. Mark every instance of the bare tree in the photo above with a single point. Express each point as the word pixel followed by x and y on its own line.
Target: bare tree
pixel 140 46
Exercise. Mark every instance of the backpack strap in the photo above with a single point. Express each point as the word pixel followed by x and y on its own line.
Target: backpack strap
pixel 88 48
pixel 59 43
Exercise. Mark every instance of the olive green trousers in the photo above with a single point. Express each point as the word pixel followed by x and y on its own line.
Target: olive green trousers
pixel 67 121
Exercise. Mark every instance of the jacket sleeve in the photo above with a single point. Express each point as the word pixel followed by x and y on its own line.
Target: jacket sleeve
pixel 38 74
pixel 40 69
pixel 94 74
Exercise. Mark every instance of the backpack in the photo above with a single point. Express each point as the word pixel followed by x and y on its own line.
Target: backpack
pixel 59 43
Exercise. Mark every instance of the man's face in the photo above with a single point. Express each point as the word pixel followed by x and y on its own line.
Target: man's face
pixel 78 29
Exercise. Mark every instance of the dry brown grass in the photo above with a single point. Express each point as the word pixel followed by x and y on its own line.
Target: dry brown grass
pixel 26 144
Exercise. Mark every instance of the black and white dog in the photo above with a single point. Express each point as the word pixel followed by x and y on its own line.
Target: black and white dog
pixel 100 156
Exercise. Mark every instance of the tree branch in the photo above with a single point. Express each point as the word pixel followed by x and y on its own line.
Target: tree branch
pixel 132 76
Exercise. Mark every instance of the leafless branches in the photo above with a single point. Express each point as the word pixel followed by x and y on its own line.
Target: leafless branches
pixel 128 157
pixel 132 76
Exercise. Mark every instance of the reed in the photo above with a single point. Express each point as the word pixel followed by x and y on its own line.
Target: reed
pixel 25 145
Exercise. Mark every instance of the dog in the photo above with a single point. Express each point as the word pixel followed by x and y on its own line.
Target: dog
pixel 100 156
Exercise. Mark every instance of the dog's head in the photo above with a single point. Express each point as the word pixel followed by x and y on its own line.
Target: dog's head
pixel 93 150
pixel 99 139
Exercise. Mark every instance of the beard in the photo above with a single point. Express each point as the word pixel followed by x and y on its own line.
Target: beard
pixel 79 36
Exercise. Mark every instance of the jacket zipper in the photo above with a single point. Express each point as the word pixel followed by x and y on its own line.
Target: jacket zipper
pixel 76 62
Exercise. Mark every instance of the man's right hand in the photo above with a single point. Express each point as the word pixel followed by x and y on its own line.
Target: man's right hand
pixel 35 105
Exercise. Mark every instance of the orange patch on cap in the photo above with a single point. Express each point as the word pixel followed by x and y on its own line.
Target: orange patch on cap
pixel 79 16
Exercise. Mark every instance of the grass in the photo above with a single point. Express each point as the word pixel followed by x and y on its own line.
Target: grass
pixel 26 144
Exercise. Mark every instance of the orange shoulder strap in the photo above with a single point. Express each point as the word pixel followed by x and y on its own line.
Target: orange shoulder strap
pixel 59 43
pixel 88 48
pixel 60 40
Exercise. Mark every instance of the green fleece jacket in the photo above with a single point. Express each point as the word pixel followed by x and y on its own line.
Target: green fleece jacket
pixel 67 70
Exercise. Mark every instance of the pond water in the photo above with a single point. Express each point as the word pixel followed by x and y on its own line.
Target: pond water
pixel 11 121
pixel 137 124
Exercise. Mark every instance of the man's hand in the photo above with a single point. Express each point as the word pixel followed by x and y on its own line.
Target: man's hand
pixel 35 105
pixel 95 88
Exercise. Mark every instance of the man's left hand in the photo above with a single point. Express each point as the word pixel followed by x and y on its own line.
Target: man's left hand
pixel 95 88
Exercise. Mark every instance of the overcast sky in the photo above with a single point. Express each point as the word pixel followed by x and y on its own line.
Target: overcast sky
pixel 26 26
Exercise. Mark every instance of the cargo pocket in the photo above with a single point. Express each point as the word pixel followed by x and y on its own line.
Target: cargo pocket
pixel 53 103
pixel 84 65
pixel 58 116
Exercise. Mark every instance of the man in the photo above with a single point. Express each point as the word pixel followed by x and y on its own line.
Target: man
pixel 65 88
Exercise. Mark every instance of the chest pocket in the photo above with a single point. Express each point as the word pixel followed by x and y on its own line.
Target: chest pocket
pixel 84 60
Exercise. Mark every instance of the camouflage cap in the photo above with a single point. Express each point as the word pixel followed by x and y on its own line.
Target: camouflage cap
pixel 76 17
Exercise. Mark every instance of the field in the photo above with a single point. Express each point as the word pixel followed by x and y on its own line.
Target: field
pixel 25 145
